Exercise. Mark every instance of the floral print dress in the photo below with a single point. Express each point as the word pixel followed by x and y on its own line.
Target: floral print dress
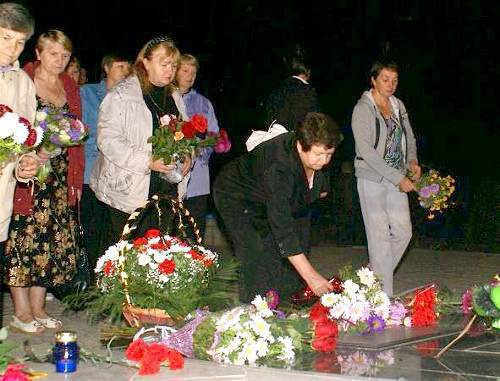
pixel 41 249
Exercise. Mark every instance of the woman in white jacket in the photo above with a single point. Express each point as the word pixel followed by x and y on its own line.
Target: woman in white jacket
pixel 124 174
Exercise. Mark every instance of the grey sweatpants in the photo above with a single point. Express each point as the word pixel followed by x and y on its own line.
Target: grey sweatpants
pixel 386 216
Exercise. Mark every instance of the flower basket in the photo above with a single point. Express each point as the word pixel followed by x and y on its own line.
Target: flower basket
pixel 135 315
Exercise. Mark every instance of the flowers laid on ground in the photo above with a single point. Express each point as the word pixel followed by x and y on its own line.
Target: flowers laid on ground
pixel 176 138
pixel 151 356
pixel 254 333
pixel 484 301
pixel 163 272
pixel 434 192
pixel 17 136
pixel 424 307
pixel 361 306
pixel 60 129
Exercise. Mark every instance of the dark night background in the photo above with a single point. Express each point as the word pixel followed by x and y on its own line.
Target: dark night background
pixel 447 79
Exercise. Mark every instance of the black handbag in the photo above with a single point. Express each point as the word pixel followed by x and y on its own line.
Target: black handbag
pixel 81 278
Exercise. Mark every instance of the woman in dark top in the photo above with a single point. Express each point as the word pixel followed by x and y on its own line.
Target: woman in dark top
pixel 264 199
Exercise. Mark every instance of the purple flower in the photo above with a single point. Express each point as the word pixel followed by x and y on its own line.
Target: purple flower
pixel 397 313
pixel 74 135
pixel 375 324
pixel 273 299
pixel 279 314
pixel 43 125
pixel 54 139
pixel 425 192
pixel 434 188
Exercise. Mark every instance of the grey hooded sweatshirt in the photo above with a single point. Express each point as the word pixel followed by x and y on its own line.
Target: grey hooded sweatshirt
pixel 370 150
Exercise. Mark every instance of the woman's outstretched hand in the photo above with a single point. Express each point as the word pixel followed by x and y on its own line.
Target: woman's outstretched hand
pixel 317 283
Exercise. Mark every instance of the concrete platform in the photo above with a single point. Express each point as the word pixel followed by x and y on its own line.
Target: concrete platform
pixel 472 358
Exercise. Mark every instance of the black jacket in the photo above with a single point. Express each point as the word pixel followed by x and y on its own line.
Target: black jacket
pixel 290 102
pixel 270 185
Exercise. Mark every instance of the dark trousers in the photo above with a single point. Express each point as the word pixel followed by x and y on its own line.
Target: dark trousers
pixel 262 267
pixel 94 220
pixel 198 207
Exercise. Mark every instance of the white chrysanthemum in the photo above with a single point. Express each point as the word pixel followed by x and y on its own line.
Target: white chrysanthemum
pixel 163 278
pixel 288 352
pixel 350 288
pixel 21 133
pixel 358 311
pixel 407 321
pixel 112 253
pixel 340 308
pixel 260 326
pixel 262 307
pixel 39 136
pixel 262 347
pixel 328 300
pixel 143 259
pixel 366 276
pixel 229 319
pixel 249 352
pixel 159 256
pixel 40 115
pixel 8 124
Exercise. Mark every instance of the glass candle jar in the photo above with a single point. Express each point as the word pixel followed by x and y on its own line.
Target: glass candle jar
pixel 66 352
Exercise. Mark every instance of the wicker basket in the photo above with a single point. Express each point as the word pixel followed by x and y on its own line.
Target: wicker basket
pixel 134 315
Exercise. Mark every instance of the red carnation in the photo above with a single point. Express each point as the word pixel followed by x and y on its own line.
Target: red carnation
pixel 424 308
pixel 326 329
pixel 167 267
pixel 188 129
pixel 160 246
pixel 149 366
pixel 31 139
pixel 4 109
pixel 326 344
pixel 319 313
pixel 208 262
pixel 195 255
pixel 109 268
pixel 175 360
pixel 152 233
pixel 157 352
pixel 138 242
pixel 199 122
pixel 136 350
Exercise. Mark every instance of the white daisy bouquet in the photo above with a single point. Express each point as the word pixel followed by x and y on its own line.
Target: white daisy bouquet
pixel 17 136
pixel 246 334
pixel 361 306
pixel 160 272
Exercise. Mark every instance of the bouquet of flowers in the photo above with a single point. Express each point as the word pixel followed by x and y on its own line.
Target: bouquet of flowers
pixel 151 356
pixel 17 136
pixel 254 333
pixel 434 192
pixel 60 129
pixel 160 272
pixel 361 305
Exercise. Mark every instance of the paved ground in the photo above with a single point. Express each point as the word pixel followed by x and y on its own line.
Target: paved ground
pixel 456 270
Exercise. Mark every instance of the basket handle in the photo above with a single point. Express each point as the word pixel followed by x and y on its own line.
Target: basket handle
pixel 178 209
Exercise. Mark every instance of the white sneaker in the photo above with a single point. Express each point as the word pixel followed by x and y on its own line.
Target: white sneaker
pixel 49 297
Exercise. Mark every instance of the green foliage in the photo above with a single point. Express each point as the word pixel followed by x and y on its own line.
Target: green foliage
pixel 203 338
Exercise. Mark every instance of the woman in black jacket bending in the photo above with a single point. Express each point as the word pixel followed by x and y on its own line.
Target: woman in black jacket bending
pixel 264 199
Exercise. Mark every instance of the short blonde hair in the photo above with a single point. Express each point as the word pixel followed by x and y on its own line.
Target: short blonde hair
pixel 189 59
pixel 54 35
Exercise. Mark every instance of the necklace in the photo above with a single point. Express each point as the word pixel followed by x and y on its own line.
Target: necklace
pixel 160 109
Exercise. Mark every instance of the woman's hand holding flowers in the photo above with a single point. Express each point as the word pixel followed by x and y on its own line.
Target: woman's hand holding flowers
pixel 159 166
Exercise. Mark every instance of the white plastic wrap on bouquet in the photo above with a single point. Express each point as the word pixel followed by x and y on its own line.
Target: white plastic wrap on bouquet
pixel 45 169
pixel 175 175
